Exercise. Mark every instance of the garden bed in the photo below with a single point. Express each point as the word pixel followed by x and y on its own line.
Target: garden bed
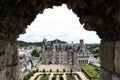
pixel 30 74
pixel 45 77
pixel 91 71
pixel 70 76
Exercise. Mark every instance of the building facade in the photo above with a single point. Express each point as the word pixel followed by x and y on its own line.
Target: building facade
pixel 64 53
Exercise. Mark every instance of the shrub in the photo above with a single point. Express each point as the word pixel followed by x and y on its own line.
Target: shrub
pixel 44 75
pixel 50 70
pixel 57 70
pixel 61 78
pixel 71 70
pixel 37 70
pixel 43 70
pixel 64 70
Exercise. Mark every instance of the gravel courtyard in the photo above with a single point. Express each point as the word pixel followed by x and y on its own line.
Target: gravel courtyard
pixel 55 67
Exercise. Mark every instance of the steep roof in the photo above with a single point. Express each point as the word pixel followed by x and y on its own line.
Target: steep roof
pixel 82 49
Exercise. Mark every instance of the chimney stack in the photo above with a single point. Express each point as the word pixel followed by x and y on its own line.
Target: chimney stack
pixel 81 41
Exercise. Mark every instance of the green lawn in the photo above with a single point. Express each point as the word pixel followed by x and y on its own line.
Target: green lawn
pixel 91 71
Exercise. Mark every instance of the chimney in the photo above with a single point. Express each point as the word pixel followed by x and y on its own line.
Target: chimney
pixel 45 41
pixel 81 41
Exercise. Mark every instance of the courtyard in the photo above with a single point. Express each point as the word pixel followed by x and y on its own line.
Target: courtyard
pixel 55 72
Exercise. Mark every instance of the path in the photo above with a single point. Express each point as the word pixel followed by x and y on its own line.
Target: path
pixel 82 76
pixel 34 76
pixel 50 77
pixel 64 76
pixel 57 78
pixel 76 78
pixel 39 78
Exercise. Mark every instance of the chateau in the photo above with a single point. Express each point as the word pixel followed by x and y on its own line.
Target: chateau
pixel 64 53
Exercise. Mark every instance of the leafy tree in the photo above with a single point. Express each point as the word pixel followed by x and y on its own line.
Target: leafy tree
pixel 35 53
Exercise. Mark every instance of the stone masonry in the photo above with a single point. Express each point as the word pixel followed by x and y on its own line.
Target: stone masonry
pixel 110 61
pixel 102 16
pixel 9 61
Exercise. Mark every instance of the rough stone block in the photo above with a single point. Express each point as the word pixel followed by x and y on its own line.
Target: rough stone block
pixel 2 59
pixel 12 56
pixel 107 55
pixel 12 73
pixel 8 53
pixel 3 49
pixel 117 57
pixel 105 75
pixel 115 77
pixel 3 75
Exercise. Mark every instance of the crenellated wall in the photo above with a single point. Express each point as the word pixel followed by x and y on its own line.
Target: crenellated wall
pixel 102 16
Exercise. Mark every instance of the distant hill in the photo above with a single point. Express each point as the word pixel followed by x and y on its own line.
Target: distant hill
pixel 93 48
pixel 23 43
pixel 93 45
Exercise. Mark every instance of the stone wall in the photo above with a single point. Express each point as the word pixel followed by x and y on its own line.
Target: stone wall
pixel 102 16
pixel 9 61
pixel 110 60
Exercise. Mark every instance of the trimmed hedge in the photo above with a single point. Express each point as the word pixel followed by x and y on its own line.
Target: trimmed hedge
pixel 28 76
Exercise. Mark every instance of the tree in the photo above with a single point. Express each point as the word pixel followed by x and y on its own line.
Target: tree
pixel 35 53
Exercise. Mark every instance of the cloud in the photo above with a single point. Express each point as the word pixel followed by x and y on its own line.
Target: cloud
pixel 59 23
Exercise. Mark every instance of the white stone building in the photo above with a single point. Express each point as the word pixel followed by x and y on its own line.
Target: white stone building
pixel 58 53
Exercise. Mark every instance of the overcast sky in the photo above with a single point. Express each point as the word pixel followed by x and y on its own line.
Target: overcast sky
pixel 58 23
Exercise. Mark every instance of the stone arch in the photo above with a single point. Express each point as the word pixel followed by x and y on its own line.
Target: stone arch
pixel 102 16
